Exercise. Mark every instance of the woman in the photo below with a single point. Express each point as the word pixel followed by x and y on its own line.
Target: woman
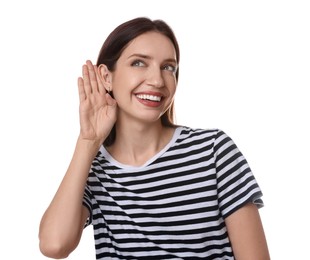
pixel 151 189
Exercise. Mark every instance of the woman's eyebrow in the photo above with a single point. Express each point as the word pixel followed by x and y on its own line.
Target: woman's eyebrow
pixel 139 55
pixel 144 56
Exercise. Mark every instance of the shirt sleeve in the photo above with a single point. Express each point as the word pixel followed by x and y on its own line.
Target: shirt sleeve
pixel 236 183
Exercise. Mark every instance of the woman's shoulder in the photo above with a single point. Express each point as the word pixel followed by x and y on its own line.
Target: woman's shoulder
pixel 191 134
pixel 196 131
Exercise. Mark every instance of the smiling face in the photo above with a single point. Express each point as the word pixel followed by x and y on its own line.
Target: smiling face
pixel 144 80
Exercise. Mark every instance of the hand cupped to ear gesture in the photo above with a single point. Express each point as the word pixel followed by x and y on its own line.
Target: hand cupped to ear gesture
pixel 97 108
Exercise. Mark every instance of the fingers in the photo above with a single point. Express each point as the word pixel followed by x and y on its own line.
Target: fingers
pixel 90 78
pixel 90 84
pixel 82 94
pixel 86 80
pixel 101 87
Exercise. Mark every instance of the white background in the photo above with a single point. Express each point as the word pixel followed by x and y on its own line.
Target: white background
pixel 244 68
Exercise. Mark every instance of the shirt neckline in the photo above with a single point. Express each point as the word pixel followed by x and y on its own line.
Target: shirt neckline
pixel 115 162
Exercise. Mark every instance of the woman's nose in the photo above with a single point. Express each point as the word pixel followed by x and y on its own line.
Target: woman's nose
pixel 155 77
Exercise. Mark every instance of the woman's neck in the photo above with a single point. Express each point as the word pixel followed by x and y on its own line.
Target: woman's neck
pixel 136 143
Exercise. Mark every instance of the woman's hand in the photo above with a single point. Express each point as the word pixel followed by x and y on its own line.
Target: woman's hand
pixel 97 108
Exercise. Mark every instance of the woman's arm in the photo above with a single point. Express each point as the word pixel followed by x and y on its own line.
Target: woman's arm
pixel 246 234
pixel 63 222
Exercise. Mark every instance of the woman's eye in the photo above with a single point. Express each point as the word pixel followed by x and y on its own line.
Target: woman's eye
pixel 138 63
pixel 170 68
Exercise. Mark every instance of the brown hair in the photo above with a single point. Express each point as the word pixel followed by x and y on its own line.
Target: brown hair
pixel 117 41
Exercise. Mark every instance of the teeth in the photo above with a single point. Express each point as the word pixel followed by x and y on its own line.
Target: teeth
pixel 149 97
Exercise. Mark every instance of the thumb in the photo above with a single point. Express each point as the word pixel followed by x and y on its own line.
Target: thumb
pixel 111 101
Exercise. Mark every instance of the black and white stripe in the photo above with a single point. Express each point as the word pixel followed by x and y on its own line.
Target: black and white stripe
pixel 174 206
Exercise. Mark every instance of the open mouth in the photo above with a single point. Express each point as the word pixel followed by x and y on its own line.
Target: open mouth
pixel 149 97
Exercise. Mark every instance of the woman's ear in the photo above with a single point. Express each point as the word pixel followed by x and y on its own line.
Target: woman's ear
pixel 106 77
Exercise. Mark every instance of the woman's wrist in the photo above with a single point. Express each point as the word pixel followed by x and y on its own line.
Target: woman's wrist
pixel 88 146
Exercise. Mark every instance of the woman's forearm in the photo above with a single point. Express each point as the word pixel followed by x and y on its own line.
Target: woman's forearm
pixel 62 223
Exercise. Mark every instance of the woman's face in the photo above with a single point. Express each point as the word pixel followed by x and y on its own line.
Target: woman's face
pixel 144 80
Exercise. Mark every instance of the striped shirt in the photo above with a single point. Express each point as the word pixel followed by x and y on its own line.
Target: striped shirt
pixel 174 206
